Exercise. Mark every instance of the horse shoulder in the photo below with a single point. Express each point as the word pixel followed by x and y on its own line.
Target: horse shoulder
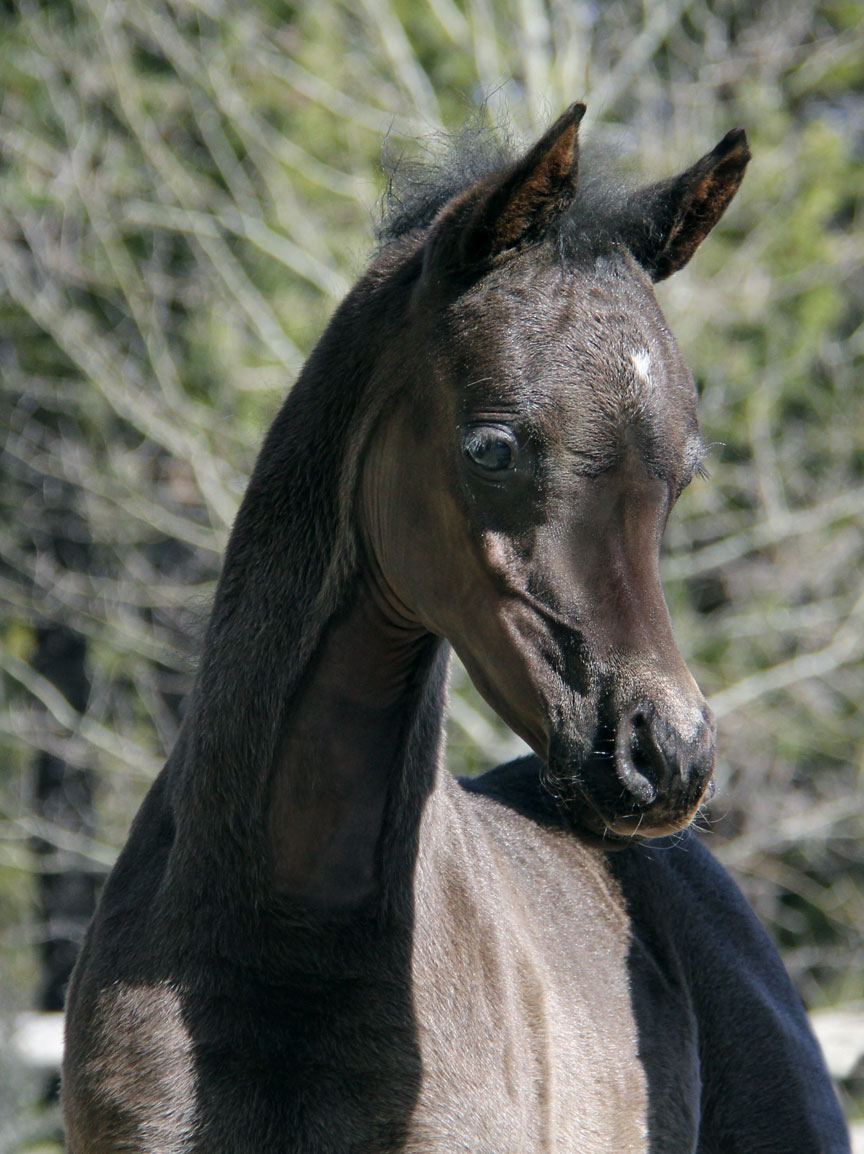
pixel 128 1078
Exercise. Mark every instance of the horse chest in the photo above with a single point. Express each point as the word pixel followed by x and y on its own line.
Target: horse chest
pixel 527 1034
pixel 526 973
pixel 529 1093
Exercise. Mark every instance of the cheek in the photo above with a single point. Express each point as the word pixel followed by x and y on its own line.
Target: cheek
pixel 434 562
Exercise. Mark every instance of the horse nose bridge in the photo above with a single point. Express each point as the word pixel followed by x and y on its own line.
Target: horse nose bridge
pixel 652 675
pixel 629 621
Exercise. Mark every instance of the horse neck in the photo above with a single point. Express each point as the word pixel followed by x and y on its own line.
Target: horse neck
pixel 358 755
pixel 290 611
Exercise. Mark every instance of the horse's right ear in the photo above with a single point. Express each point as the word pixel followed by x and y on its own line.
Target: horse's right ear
pixel 508 210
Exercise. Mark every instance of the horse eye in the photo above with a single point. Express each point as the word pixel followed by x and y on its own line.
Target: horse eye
pixel 493 450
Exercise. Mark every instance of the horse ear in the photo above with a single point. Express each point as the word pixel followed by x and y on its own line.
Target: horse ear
pixel 510 209
pixel 669 221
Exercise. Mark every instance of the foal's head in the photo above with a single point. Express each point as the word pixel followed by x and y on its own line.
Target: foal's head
pixel 516 495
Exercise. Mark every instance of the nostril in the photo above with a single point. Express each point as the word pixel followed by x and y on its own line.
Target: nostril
pixel 642 766
pixel 640 727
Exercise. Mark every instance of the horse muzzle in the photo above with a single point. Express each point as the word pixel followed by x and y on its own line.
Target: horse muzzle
pixel 644 775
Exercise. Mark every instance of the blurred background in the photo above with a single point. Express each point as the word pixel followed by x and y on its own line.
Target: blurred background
pixel 188 187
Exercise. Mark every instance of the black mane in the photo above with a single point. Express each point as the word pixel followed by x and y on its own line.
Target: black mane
pixel 600 218
pixel 418 188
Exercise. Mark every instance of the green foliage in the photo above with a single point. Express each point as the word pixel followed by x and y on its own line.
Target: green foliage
pixel 186 190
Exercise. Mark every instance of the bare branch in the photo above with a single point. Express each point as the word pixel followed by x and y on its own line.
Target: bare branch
pixel 846 646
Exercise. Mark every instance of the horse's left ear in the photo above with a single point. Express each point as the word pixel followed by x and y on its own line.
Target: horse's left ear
pixel 510 209
pixel 668 221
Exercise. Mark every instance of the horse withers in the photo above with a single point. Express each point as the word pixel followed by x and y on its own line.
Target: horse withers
pixel 316 940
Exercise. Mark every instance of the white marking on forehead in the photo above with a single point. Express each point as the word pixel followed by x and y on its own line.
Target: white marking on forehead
pixel 641 361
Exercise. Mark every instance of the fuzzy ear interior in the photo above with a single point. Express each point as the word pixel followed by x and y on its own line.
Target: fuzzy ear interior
pixel 510 209
pixel 667 222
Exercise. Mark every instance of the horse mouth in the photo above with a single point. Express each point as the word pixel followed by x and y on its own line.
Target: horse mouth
pixel 603 821
pixel 587 821
pixel 616 792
